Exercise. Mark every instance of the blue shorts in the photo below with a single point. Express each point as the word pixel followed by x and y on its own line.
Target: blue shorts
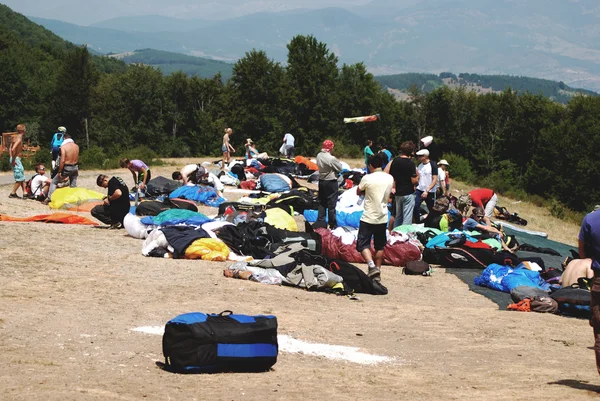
pixel 18 170
pixel 224 149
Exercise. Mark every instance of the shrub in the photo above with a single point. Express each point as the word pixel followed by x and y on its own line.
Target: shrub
pixel 343 149
pixel 460 168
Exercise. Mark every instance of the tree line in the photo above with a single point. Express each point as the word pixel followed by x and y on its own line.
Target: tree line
pixel 510 141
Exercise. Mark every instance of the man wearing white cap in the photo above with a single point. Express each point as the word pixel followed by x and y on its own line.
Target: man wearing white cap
pixel 443 182
pixel 428 179
pixel 57 140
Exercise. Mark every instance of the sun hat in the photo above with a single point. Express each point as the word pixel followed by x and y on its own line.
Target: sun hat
pixel 444 162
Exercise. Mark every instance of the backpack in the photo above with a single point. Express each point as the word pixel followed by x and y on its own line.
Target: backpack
pixel 417 268
pixel 441 205
pixel 30 191
pixel 210 343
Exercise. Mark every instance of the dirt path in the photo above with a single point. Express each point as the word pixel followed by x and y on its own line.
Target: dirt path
pixel 70 296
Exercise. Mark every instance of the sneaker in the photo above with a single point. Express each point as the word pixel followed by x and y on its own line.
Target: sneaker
pixel 375 273
pixel 14 196
pixel 115 226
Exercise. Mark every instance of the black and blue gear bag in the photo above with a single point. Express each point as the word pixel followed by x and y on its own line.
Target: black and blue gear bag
pixel 224 342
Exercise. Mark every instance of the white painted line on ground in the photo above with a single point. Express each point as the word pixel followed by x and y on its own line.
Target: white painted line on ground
pixel 293 346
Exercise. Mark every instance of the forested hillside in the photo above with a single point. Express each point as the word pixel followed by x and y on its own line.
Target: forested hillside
pixel 556 91
pixel 169 62
pixel 507 140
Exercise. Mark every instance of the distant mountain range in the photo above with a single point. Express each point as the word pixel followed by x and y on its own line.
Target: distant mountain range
pixel 552 39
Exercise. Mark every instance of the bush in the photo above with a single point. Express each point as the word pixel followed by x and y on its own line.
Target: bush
pixel 96 158
pixel 460 168
pixel 143 153
pixel 343 149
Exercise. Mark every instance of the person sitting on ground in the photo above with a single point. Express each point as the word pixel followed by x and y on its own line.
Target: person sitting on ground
pixel 449 221
pixel 68 167
pixel 139 170
pixel 376 188
pixel 252 152
pixel 55 144
pixel 15 152
pixel 116 205
pixel 479 222
pixel 484 198
pixel 575 269
pixel 40 183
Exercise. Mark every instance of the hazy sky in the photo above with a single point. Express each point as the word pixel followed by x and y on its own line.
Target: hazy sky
pixel 84 12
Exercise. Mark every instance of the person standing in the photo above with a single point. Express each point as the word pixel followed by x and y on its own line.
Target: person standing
pixel 226 148
pixel 376 188
pixel 116 205
pixel 329 168
pixel 428 178
pixel 68 167
pixel 442 178
pixel 15 152
pixel 589 247
pixel 289 143
pixel 368 152
pixel 140 171
pixel 404 172
pixel 55 144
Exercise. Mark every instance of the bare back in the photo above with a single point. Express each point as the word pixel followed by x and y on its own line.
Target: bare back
pixel 69 153
pixel 225 139
pixel 16 146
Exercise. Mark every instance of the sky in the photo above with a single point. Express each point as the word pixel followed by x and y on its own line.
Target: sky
pixel 86 12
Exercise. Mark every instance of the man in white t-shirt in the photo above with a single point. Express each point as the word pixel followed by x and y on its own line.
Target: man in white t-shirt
pixel 40 183
pixel 376 187
pixel 289 141
pixel 428 179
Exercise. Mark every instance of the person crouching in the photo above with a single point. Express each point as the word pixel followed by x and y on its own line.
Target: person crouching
pixel 116 205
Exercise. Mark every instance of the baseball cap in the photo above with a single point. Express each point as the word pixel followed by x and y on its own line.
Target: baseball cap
pixel 423 152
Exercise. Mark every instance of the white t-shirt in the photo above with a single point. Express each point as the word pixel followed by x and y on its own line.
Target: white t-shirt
pixel 188 169
pixel 441 177
pixel 377 187
pixel 289 139
pixel 425 177
pixel 37 183
pixel 213 179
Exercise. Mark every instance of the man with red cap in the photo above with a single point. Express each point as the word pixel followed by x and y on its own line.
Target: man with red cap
pixel 329 168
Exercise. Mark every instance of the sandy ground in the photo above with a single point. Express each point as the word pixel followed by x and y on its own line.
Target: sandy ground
pixel 70 296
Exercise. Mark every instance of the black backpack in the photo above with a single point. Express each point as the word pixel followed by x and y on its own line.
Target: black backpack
pixel 417 268
pixel 201 343
pixel 355 278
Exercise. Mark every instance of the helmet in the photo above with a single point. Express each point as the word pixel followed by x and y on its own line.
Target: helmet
pixel 62 129
pixel 328 144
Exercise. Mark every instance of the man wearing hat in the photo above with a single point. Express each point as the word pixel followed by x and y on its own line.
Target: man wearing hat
pixel 55 144
pixel 329 168
pixel 428 179
pixel 443 178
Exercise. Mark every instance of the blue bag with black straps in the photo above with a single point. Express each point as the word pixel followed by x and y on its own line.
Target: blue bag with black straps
pixel 224 342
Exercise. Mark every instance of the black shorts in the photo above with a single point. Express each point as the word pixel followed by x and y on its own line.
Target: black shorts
pixel 366 231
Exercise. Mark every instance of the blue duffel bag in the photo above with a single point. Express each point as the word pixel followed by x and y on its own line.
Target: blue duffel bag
pixel 224 342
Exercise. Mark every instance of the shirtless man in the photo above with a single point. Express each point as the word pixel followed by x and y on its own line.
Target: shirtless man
pixel 575 269
pixel 226 148
pixel 68 167
pixel 15 153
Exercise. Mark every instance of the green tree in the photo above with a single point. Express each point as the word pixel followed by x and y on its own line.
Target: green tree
pixel 71 102
pixel 313 101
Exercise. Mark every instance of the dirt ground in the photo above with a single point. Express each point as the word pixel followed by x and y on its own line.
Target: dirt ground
pixel 70 296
